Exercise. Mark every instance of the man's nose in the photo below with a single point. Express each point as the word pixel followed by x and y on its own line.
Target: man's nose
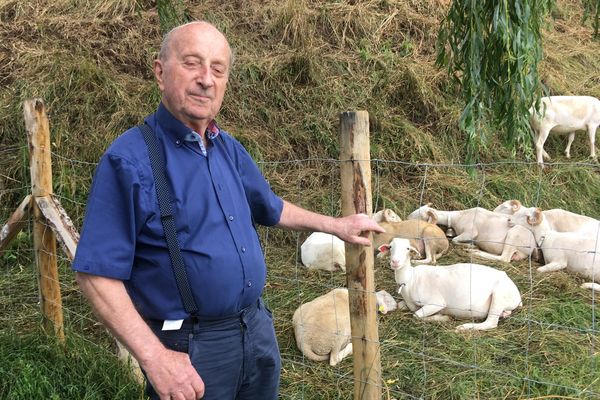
pixel 204 77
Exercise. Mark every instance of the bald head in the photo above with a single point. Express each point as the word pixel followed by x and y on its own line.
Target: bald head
pixel 192 72
pixel 193 27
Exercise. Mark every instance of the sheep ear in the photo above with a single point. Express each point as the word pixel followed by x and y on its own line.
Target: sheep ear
pixel 431 217
pixel 414 250
pixel 384 248
pixel 515 205
pixel 387 215
pixel 536 217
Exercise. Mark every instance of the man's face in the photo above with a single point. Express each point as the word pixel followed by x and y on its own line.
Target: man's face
pixel 193 75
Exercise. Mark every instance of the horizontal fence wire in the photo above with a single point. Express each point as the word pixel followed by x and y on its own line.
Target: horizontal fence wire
pixel 420 360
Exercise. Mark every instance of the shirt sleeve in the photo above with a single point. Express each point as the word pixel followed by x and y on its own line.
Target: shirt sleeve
pixel 265 205
pixel 113 217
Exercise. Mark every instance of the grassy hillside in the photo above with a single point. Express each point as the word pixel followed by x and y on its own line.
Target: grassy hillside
pixel 298 65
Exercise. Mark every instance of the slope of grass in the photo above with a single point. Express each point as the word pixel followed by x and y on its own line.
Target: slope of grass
pixel 298 65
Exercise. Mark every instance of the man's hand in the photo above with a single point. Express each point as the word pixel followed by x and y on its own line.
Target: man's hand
pixel 173 376
pixel 351 228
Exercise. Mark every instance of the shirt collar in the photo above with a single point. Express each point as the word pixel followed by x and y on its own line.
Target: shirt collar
pixel 176 129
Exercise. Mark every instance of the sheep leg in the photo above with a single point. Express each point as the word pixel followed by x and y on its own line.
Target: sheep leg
pixel 568 148
pixel 402 305
pixel 590 285
pixel 509 253
pixel 437 318
pixel 428 256
pixel 337 356
pixel 428 310
pixel 539 143
pixel 501 306
pixel 490 323
pixel 464 239
pixel 545 155
pixel 592 134
pixel 551 267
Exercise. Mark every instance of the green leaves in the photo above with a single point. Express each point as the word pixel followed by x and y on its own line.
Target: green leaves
pixel 493 48
pixel 171 13
pixel 592 8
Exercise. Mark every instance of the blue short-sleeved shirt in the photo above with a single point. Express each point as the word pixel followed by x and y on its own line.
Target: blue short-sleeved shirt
pixel 216 197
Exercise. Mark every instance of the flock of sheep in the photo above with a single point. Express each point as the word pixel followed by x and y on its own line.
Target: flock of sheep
pixel 556 238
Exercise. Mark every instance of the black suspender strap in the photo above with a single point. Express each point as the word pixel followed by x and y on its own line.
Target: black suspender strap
pixel 167 218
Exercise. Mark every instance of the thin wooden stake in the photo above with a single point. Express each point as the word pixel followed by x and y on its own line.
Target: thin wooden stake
pixel 44 239
pixel 356 198
pixel 15 222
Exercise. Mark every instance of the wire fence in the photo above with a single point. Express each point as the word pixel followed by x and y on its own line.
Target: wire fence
pixel 547 348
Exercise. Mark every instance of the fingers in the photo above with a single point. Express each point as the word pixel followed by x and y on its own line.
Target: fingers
pixel 198 386
pixel 174 377
pixel 191 392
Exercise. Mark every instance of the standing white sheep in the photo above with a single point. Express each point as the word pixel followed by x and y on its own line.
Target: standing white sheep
pixel 562 115
pixel 463 291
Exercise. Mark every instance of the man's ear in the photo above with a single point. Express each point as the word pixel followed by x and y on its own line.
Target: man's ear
pixel 158 73
pixel 384 248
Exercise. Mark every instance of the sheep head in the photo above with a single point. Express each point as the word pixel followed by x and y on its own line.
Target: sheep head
pixel 535 217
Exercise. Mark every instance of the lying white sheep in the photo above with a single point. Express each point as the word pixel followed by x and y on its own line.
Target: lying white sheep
pixel 562 115
pixel 578 252
pixel 462 291
pixel 322 327
pixel 323 251
pixel 328 252
pixel 486 229
pixel 385 302
pixel 559 220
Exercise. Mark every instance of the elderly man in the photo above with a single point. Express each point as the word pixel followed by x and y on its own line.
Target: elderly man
pixel 226 347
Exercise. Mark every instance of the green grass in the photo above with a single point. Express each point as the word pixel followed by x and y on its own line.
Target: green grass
pixel 298 65
pixel 35 366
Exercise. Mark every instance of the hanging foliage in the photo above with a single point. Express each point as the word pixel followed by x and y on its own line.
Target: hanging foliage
pixel 493 48
pixel 592 10
pixel 171 13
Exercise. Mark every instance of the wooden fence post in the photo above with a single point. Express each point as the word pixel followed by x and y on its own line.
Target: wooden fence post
pixel 44 239
pixel 356 198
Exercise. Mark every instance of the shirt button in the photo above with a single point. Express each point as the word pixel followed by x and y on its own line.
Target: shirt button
pixel 243 249
pixel 249 283
pixel 231 218
pixel 178 142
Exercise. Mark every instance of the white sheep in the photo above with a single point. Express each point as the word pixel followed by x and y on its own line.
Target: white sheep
pixel 562 115
pixel 559 220
pixel 328 252
pixel 322 327
pixel 578 252
pixel 323 251
pixel 486 229
pixel 385 302
pixel 462 291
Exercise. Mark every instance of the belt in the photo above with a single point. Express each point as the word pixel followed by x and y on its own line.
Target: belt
pixel 192 320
